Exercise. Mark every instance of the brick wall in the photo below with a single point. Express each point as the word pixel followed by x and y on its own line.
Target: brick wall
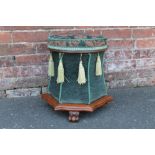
pixel 129 61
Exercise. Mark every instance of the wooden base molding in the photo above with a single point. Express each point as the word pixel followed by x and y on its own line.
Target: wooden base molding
pixel 75 109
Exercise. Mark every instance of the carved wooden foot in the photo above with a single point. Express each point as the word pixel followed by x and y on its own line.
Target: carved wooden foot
pixel 73 116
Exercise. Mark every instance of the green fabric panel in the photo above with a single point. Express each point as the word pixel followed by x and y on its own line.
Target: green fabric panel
pixel 97 83
pixel 72 92
pixel 54 88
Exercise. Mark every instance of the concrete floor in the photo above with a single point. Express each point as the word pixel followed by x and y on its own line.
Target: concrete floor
pixel 132 108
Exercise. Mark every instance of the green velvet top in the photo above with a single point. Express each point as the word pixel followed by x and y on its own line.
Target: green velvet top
pixel 73 44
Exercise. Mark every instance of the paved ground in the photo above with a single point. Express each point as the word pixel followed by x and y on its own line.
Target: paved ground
pixel 131 108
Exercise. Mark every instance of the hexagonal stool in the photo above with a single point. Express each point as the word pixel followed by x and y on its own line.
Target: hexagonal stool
pixel 76 74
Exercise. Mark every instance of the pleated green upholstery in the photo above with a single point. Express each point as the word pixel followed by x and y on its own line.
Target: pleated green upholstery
pixel 70 91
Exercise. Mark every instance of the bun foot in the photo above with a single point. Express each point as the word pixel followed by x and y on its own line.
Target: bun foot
pixel 73 116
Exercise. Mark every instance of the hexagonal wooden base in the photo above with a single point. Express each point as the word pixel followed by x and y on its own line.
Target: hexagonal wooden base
pixel 75 109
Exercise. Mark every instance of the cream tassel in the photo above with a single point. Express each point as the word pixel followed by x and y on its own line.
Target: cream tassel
pixel 98 66
pixel 60 78
pixel 81 75
pixel 51 66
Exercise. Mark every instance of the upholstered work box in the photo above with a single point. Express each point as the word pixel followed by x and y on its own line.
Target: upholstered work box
pixel 76 74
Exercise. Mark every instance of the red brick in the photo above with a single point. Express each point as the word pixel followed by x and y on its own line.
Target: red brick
pixel 16 49
pixel 16 72
pixel 113 33
pixel 23 71
pixel 109 55
pixel 39 70
pixel 147 53
pixel 11 28
pixel 59 27
pixel 6 61
pixel 10 72
pixel 30 36
pixel 136 54
pixel 1 74
pixel 5 37
pixel 7 83
pixel 145 43
pixel 130 74
pixel 118 54
pixel 23 49
pixel 129 62
pixel 76 33
pixel 117 27
pixel 123 55
pixel 121 44
pixel 85 27
pixel 5 28
pixel 93 32
pixel 117 33
pixel 42 48
pixel 141 33
pixel 44 70
pixel 30 82
pixel 23 82
pixel 35 70
pixel 5 49
pixel 141 63
pixel 118 66
pixel 143 73
pixel 31 59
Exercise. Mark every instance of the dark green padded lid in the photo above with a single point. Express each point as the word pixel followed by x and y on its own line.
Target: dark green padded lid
pixel 74 44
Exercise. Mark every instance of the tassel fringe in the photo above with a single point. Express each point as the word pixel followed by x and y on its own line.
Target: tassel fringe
pixel 81 75
pixel 98 66
pixel 60 78
pixel 51 66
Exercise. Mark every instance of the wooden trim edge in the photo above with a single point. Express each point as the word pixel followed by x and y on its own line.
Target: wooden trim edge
pixel 76 107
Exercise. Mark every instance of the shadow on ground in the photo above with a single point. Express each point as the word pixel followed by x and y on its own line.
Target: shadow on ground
pixel 131 108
